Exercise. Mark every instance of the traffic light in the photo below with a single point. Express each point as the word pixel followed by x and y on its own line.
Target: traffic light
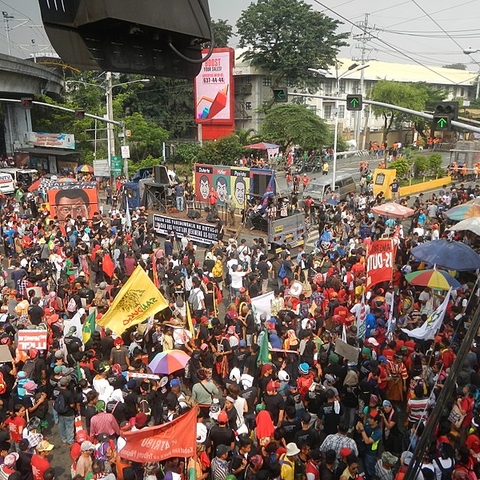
pixel 443 115
pixel 27 102
pixel 354 103
pixel 280 95
pixel 79 114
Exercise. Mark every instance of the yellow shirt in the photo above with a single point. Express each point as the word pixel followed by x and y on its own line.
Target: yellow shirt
pixel 287 471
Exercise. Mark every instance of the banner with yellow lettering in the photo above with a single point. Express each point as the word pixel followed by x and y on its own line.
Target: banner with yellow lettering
pixel 138 300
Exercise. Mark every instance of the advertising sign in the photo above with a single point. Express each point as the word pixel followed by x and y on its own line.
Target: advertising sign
pixel 74 199
pixel 213 89
pixel 52 140
pixel 101 168
pixel 32 339
pixel 204 233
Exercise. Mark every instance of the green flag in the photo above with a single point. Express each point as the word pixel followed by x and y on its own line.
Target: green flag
pixel 263 354
pixel 88 327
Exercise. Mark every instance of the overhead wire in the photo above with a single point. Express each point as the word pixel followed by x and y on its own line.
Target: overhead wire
pixel 393 47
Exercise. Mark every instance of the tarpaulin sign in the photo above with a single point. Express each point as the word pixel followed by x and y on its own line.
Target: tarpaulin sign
pixel 380 262
pixel 32 339
pixel 155 444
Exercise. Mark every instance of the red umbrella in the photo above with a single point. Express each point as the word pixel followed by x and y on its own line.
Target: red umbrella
pixel 394 210
pixel 35 185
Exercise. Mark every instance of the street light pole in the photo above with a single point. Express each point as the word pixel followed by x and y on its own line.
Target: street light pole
pixel 471 51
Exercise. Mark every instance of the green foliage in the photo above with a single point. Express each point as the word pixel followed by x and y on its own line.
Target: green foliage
pixel 186 153
pixel 286 37
pixel 395 93
pixel 247 137
pixel 435 162
pixel 420 165
pixel 224 151
pixel 146 139
pixel 222 32
pixel 149 161
pixel 292 124
pixel 402 167
pixel 456 66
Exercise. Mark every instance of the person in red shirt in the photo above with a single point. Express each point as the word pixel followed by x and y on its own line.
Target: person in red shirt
pixel 305 181
pixel 39 461
pixel 16 423
pixel 213 199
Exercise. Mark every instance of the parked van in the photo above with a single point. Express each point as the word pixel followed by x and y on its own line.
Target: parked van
pixel 21 177
pixel 7 186
pixel 321 188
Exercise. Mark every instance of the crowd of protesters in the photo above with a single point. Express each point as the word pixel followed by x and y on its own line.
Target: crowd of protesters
pixel 300 411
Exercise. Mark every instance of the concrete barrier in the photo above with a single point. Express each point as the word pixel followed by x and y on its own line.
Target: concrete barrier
pixel 425 186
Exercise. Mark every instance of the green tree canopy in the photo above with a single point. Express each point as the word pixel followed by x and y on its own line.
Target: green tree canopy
pixel 286 37
pixel 222 32
pixel 293 124
pixel 223 151
pixel 405 95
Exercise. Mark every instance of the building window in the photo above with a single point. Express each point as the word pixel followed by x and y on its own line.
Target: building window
pixel 247 80
pixel 327 111
pixel 328 87
pixel 341 86
pixel 267 81
pixel 248 105
pixel 341 111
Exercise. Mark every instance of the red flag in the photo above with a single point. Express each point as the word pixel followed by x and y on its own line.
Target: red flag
pixel 380 262
pixel 155 444
pixel 107 265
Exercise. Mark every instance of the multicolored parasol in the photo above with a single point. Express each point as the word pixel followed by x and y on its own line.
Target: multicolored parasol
pixel 168 362
pixel 437 279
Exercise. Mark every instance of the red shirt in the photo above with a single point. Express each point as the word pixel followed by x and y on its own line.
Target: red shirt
pixel 15 427
pixel 39 465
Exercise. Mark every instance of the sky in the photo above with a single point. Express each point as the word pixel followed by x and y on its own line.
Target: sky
pixel 430 32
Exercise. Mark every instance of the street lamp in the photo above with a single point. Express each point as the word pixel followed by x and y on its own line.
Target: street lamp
pixel 108 87
pixel 471 51
pixel 354 67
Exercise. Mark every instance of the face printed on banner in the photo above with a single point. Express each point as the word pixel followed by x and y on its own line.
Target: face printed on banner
pixel 73 203
pixel 240 190
pixel 222 189
pixel 204 187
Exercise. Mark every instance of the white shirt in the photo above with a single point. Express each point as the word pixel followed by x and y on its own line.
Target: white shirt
pixel 237 279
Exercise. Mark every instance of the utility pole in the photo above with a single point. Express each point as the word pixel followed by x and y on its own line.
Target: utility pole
pixel 6 19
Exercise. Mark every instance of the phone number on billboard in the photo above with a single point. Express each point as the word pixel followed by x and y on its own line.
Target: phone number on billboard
pixel 213 80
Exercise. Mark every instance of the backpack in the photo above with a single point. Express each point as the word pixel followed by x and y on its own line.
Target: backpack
pixel 29 368
pixel 60 404
pixel 3 384
pixel 446 472
pixel 72 305
pixel 283 271
pixel 143 406
pixel 228 279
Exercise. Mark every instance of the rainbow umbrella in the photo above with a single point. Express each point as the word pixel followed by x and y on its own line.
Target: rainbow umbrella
pixel 84 169
pixel 464 211
pixel 168 362
pixel 436 279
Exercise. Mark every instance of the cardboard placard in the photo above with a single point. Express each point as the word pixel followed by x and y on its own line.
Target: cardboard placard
pixel 5 354
pixel 32 339
pixel 346 351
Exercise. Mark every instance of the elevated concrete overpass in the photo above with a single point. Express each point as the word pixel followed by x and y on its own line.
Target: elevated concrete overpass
pixel 21 78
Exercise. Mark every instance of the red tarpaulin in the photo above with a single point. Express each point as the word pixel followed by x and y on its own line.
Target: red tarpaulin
pixel 380 262
pixel 155 444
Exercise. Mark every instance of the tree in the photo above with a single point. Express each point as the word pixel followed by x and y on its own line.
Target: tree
pixel 146 139
pixel 286 37
pixel 456 66
pixel 223 151
pixel 247 137
pixel 292 124
pixel 222 32
pixel 399 94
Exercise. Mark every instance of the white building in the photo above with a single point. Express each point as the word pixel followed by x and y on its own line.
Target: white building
pixel 253 88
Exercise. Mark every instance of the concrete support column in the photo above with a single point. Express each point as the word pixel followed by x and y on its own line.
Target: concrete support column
pixel 18 122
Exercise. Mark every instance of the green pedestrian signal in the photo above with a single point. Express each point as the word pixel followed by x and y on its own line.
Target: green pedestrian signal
pixel 280 95
pixel 441 122
pixel 354 103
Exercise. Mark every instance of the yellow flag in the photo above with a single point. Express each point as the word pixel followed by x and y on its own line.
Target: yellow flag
pixel 189 319
pixel 137 300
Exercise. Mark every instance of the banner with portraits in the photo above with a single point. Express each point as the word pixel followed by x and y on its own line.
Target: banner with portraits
pixel 72 199
pixel 239 182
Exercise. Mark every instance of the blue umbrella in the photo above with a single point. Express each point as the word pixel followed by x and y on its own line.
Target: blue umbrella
pixel 450 255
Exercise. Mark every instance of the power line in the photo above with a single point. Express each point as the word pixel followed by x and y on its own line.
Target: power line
pixel 385 43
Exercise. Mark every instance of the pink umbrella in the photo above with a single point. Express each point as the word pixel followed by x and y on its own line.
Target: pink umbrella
pixel 394 210
pixel 169 362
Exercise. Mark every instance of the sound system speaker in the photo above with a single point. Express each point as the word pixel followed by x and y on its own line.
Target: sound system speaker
pixel 193 214
pixel 211 218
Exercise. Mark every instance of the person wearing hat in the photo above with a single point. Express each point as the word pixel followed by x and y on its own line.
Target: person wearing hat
pixel 392 436
pixel 220 467
pixel 371 434
pixel 66 417
pixel 385 465
pixel 274 402
pixel 222 434
pixel 39 461
pixel 84 463
pixel 8 466
pixel 351 470
pixel 119 354
pixel 287 462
